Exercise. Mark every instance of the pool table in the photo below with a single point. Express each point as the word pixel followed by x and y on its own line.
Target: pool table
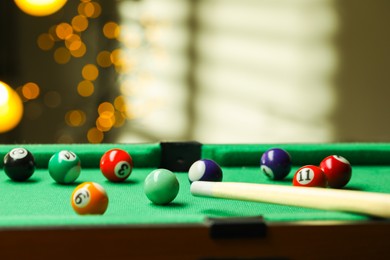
pixel 37 220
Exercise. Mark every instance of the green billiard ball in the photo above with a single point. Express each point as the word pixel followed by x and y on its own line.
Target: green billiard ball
pixel 64 167
pixel 161 186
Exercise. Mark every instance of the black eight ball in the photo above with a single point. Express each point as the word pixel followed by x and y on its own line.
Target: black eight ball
pixel 19 164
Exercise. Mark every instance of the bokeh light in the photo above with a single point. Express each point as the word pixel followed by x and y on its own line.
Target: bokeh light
pixel 30 91
pixel 73 42
pixel 106 119
pixel 63 30
pixel 120 119
pixel 53 34
pixel 90 72
pixel 40 7
pixel 106 107
pixel 75 118
pixel 120 104
pixel 89 9
pixel 45 41
pixel 62 55
pixel 103 59
pixel 121 65
pixel 94 135
pixel 80 52
pixel 105 123
pixel 116 56
pixel 79 23
pixel 85 88
pixel 11 108
pixel 65 40
pixel 111 30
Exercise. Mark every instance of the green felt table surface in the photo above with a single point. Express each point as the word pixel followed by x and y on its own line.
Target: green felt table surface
pixel 42 202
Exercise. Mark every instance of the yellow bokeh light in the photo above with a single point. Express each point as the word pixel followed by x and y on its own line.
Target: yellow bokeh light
pixel 85 88
pixel 75 118
pixel 11 108
pixel 62 55
pixel 105 124
pixel 94 135
pixel 45 41
pixel 125 66
pixel 73 42
pixel 120 119
pixel 30 90
pixel 90 72
pixel 80 23
pixel 40 7
pixel 63 30
pixel 89 9
pixel 106 107
pixel 121 64
pixel 111 30
pixel 4 93
pixel 53 34
pixel 80 52
pixel 120 103
pixel 116 56
pixel 97 10
pixel 104 59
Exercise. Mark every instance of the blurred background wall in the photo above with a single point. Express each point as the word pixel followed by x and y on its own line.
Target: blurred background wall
pixel 214 71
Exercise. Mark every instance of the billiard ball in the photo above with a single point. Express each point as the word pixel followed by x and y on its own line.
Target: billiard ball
pixel 310 176
pixel 19 164
pixel 64 167
pixel 205 170
pixel 275 163
pixel 116 165
pixel 89 198
pixel 337 169
pixel 161 186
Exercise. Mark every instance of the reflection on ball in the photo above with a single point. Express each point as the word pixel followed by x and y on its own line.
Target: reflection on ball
pixel 11 108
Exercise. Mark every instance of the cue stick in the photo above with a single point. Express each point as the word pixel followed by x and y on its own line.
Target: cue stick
pixel 367 203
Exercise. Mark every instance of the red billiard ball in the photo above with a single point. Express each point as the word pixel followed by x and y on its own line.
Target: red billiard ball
pixel 89 198
pixel 310 176
pixel 337 169
pixel 116 165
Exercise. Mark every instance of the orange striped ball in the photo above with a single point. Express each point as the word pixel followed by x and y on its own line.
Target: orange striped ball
pixel 89 198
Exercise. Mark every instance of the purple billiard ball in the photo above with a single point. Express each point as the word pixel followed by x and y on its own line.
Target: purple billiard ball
pixel 275 163
pixel 205 170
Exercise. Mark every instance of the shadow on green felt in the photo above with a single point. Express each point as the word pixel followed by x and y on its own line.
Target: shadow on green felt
pixel 220 213
pixel 125 182
pixel 171 205
pixel 354 188
pixel 73 184
pixel 285 181
pixel 29 181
